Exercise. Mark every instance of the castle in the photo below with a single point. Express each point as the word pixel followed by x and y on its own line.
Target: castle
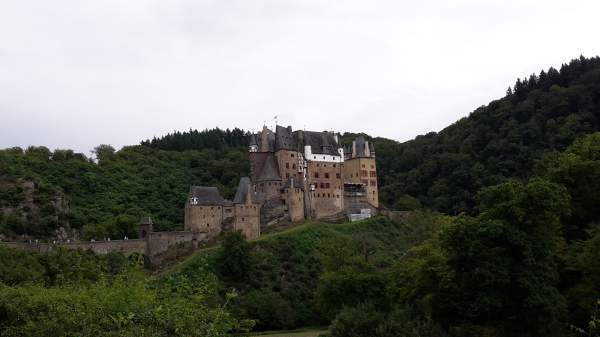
pixel 294 175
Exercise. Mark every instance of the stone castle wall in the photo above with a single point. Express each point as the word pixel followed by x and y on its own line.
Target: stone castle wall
pixel 98 247
pixel 294 199
pixel 203 219
pixel 363 170
pixel 326 199
pixel 159 242
pixel 247 220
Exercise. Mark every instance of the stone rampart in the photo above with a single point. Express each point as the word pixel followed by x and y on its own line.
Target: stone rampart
pixel 98 247
pixel 159 242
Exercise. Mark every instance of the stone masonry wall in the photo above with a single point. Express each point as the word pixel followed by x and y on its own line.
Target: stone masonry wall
pixel 159 242
pixel 294 199
pixel 326 199
pixel 203 219
pixel 98 247
pixel 247 220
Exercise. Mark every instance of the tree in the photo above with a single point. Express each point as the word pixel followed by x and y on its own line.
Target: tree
pixel 104 153
pixel 234 261
pixel 504 261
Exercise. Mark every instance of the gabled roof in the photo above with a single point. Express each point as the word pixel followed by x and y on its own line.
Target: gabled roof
pixel 207 195
pixel 244 187
pixel 270 170
pixel 321 142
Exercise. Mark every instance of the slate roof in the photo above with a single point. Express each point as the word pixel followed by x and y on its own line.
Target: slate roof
pixel 270 170
pixel 360 146
pixel 253 140
pixel 271 140
pixel 285 139
pixel 244 187
pixel 321 142
pixel 207 195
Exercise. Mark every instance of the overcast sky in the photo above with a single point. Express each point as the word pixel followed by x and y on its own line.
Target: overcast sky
pixel 75 74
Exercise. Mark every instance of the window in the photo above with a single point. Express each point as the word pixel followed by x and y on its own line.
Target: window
pixel 372 166
pixel 338 196
pixel 315 157
pixel 287 165
pixel 292 155
pixel 326 175
pixel 373 182
pixel 326 185
pixel 318 164
pixel 294 166
pixel 269 183
pixel 328 195
pixel 373 174
pixel 323 157
pixel 242 219
pixel 363 165
pixel 322 185
pixel 316 174
pixel 333 165
pixel 287 175
pixel 363 173
pixel 337 176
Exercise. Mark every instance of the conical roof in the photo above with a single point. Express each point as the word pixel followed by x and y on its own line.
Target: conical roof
pixel 270 170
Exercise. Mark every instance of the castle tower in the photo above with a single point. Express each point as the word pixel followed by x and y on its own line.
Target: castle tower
pixel 247 210
pixel 145 227
pixel 360 168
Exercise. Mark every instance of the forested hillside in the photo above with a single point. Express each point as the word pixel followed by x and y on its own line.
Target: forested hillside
pixel 106 198
pixel 501 140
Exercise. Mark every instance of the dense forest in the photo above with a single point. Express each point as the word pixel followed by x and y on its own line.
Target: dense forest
pixel 106 197
pixel 502 240
pixel 503 140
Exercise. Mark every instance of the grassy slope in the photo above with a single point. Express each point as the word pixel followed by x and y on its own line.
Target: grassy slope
pixel 286 266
